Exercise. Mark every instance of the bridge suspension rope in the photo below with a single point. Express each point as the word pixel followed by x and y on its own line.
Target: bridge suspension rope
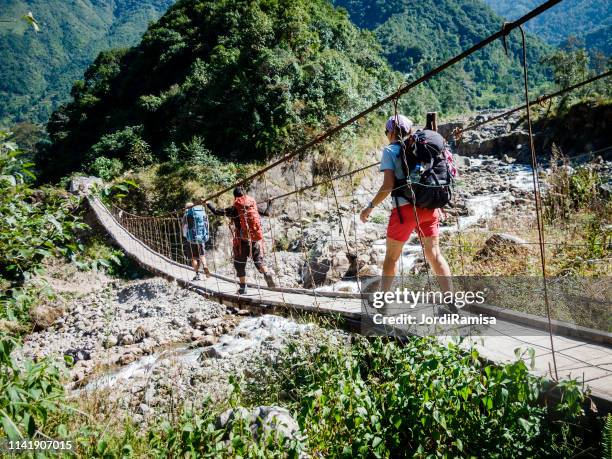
pixel 164 233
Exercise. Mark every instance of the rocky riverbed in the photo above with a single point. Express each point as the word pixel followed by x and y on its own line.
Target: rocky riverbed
pixel 148 346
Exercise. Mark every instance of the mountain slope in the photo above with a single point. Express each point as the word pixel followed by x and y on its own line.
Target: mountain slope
pixel 241 79
pixel 587 19
pixel 38 69
pixel 416 36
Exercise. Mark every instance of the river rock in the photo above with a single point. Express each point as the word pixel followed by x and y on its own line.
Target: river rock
pixel 205 341
pixel 140 334
pixel 78 354
pixel 369 271
pixel 43 316
pixel 211 352
pixel 500 244
pixel 127 339
pixel 110 341
pixel 262 420
pixel 198 319
pixel 129 356
pixel 196 334
pixel 82 185
pixel 145 409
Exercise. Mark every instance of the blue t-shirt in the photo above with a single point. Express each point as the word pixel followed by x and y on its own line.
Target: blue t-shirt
pixel 391 161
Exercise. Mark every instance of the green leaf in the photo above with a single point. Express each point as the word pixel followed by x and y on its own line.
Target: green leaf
pixel 10 428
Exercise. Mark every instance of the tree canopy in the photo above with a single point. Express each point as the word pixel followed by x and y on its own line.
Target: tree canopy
pixel 37 69
pixel 418 36
pixel 248 78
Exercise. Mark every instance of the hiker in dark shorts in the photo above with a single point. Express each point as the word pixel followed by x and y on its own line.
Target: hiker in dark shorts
pixel 247 235
pixel 195 235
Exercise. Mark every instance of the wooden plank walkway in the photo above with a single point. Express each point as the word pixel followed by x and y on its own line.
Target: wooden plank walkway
pixel 587 361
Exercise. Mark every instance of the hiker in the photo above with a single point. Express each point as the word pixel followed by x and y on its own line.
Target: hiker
pixel 423 157
pixel 247 235
pixel 195 236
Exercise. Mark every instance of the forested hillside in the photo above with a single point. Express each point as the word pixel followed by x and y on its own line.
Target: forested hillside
pixel 586 19
pixel 417 36
pixel 38 69
pixel 242 79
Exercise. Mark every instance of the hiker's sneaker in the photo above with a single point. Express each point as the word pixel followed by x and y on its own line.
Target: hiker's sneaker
pixel 242 290
pixel 197 277
pixel 270 280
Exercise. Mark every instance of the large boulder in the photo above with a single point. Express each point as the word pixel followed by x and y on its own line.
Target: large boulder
pixel 500 245
pixel 262 420
pixel 44 315
pixel 83 185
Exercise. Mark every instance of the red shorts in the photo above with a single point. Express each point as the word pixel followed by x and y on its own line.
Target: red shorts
pixel 428 223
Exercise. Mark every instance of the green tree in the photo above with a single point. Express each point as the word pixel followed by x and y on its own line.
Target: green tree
pixel 570 66
pixel 248 78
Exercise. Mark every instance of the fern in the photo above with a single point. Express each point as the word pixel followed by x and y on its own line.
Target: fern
pixel 607 438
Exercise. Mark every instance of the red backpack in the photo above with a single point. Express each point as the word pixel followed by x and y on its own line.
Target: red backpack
pixel 250 223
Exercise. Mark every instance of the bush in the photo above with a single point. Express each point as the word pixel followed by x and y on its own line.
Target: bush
pixel 16 302
pixel 198 434
pixel 35 223
pixel 30 393
pixel 418 400
pixel 126 144
pixel 96 254
pixel 570 190
pixel 607 437
pixel 106 168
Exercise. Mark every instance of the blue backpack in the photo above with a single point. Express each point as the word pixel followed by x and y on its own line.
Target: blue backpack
pixel 197 225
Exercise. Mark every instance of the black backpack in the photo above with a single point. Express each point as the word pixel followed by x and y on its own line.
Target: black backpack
pixel 434 188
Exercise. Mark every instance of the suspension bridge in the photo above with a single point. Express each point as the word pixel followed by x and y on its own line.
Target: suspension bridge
pixel 561 349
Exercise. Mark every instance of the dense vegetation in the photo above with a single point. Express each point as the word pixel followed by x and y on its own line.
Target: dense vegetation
pixel 370 399
pixel 587 19
pixel 417 36
pixel 38 69
pixel 241 79
pixel 36 225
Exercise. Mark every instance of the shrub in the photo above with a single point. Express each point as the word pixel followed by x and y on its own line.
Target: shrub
pixel 16 302
pixel 418 400
pixel 570 190
pixel 35 223
pixel 106 168
pixel 96 254
pixel 30 393
pixel 198 434
pixel 126 144
pixel 196 153
pixel 607 437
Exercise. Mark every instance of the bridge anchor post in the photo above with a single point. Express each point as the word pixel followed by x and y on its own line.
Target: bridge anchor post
pixel 432 122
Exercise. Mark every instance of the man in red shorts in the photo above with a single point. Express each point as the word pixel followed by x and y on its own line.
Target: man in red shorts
pixel 403 222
